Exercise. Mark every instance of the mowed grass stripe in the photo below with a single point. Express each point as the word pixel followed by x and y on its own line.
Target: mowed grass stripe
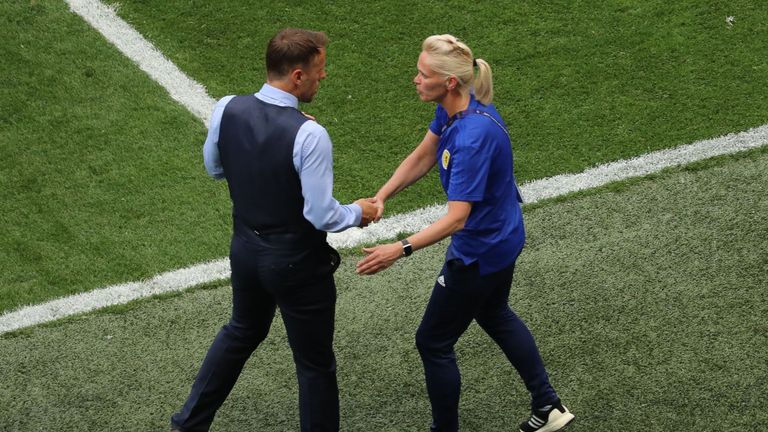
pixel 647 297
pixel 102 179
pixel 388 228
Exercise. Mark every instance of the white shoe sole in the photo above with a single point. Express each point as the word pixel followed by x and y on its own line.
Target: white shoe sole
pixel 562 420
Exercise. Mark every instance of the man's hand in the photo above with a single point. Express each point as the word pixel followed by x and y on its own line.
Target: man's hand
pixel 379 258
pixel 309 116
pixel 369 210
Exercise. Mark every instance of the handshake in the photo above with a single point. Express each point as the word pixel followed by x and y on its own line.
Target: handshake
pixel 373 208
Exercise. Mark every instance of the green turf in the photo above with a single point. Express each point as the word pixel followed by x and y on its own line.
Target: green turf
pixel 578 82
pixel 647 301
pixel 102 179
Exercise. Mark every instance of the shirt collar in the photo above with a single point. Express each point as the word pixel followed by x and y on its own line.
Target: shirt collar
pixel 275 96
pixel 473 105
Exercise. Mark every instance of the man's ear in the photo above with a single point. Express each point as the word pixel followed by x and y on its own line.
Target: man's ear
pixel 297 76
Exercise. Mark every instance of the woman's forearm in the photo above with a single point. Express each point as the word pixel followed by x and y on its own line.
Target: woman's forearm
pixel 409 172
pixel 412 168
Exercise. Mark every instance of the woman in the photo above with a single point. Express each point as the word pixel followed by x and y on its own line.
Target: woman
pixel 469 141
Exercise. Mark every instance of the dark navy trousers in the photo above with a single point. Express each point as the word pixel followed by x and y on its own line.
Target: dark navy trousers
pixel 461 295
pixel 269 271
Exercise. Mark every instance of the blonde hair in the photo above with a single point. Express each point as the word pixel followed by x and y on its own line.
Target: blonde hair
pixel 449 56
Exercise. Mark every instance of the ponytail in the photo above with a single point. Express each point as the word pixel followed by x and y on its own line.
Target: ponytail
pixel 483 82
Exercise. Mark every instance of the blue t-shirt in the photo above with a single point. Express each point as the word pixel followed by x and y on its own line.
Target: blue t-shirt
pixel 475 159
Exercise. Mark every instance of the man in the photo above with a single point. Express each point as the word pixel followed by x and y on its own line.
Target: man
pixel 278 166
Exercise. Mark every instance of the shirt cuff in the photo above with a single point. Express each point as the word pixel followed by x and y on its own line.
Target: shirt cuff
pixel 358 211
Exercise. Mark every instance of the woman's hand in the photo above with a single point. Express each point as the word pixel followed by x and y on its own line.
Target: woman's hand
pixel 379 258
pixel 379 204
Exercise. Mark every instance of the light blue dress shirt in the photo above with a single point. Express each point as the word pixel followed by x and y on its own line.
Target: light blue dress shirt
pixel 312 158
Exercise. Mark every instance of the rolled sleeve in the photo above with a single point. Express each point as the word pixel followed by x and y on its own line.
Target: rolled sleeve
pixel 313 159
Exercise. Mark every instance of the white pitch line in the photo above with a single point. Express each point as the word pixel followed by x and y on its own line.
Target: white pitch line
pixel 114 295
pixel 193 96
pixel 567 183
pixel 534 191
pixel 186 91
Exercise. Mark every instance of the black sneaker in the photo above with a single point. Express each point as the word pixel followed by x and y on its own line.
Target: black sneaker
pixel 554 418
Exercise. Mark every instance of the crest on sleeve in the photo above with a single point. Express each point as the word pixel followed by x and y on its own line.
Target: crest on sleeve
pixel 446 158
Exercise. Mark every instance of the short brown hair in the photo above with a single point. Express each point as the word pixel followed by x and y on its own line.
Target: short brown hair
pixel 293 47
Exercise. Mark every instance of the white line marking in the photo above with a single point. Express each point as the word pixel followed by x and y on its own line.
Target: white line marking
pixel 193 96
pixel 566 183
pixel 388 228
pixel 182 88
pixel 114 295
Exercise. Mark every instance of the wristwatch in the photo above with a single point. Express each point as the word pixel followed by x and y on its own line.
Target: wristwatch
pixel 407 248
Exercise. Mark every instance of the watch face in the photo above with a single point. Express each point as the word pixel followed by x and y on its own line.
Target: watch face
pixel 407 248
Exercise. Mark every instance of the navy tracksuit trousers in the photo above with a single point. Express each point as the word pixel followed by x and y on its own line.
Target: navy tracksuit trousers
pixel 461 295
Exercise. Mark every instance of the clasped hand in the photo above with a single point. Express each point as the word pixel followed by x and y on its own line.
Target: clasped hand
pixel 372 208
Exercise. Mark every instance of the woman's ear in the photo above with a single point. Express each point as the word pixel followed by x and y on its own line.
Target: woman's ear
pixel 451 83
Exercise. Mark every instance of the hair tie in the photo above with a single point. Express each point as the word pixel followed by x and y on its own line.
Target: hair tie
pixel 474 62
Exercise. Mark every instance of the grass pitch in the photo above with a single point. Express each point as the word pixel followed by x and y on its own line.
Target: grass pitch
pixel 647 300
pixel 102 181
